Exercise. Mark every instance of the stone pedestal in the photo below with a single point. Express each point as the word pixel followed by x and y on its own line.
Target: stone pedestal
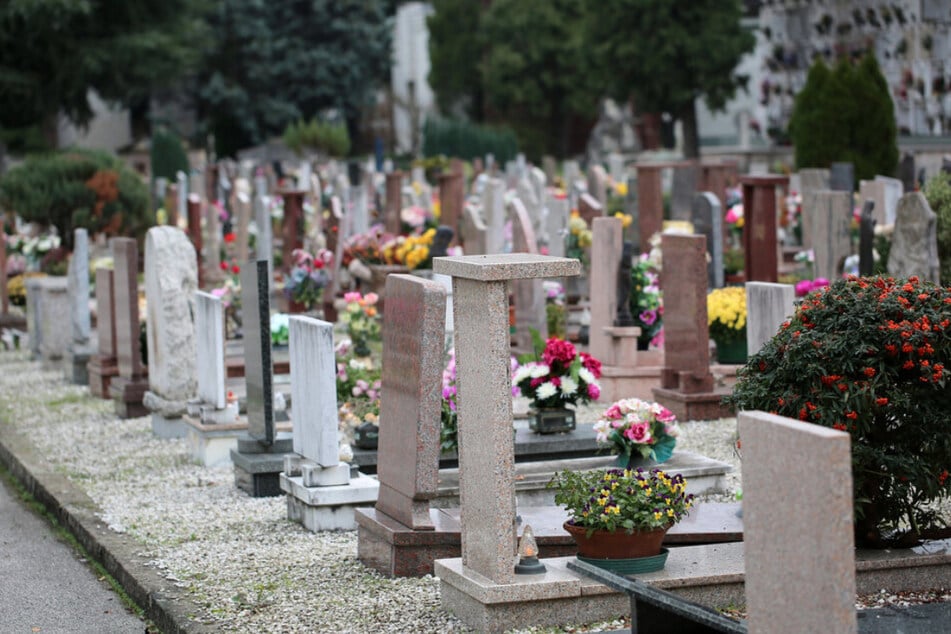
pixel 128 393
pixel 325 508
pixel 257 467
pixel 101 369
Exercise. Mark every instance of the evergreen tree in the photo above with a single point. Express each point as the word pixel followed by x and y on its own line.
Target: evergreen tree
pixel 808 125
pixel 455 51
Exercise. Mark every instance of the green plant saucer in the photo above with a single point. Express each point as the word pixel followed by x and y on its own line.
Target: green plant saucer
pixel 634 566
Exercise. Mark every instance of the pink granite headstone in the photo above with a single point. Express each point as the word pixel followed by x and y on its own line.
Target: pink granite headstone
pixel 292 225
pixel 760 247
pixel 589 208
pixel 606 248
pixel 529 294
pixel 451 199
pixel 412 398
pixel 650 203
pixel 394 202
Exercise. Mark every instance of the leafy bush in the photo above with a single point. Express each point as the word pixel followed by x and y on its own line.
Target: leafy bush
pixel 468 140
pixel 167 154
pixel 867 356
pixel 322 136
pixel 78 188
pixel 938 193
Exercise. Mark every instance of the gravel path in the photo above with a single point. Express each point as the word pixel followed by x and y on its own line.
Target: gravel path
pixel 239 558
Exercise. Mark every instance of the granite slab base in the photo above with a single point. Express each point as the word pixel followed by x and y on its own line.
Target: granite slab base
pixel 395 550
pixel 127 394
pixel 101 371
pixel 640 380
pixel 164 427
pixel 76 367
pixel 328 508
pixel 699 406
pixel 211 444
pixel 257 467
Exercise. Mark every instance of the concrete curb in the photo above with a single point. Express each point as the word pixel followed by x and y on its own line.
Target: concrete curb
pixel 163 604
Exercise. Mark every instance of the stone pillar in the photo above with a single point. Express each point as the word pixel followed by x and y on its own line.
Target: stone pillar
pixel 128 388
pixel 760 246
pixel 606 247
pixel 451 199
pixel 486 441
pixel 394 202
pixel 103 365
pixel 292 225
pixel 79 309
pixel 650 203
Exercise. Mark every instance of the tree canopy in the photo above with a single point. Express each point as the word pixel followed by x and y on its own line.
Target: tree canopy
pixel 270 64
pixel 668 53
pixel 53 51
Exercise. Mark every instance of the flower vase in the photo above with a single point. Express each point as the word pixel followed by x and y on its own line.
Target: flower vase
pixel 631 461
pixel 620 551
pixel 552 420
pixel 296 308
pixel 367 436
pixel 732 352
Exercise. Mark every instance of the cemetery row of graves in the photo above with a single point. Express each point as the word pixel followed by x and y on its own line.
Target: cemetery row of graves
pixel 439 364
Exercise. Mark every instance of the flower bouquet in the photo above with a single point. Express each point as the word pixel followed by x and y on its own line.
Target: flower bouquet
pixel 308 277
pixel 633 426
pixel 726 317
pixel 645 301
pixel 558 376
pixel 362 320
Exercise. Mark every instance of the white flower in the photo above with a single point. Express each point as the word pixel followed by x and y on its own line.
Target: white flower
pixel 601 428
pixel 546 390
pixel 357 365
pixel 346 453
pixel 539 370
pixel 568 386
pixel 521 374
pixel 585 375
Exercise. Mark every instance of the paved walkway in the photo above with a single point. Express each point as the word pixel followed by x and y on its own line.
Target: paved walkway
pixel 45 585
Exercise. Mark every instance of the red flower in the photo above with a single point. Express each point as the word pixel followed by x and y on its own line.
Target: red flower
pixel 869 372
pixel 559 350
pixel 235 269
pixel 229 237
pixel 591 364
pixel 881 402
pixel 839 426
pixel 224 266
pixel 851 415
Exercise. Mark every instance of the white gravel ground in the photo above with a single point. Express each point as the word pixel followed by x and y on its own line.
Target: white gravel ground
pixel 239 558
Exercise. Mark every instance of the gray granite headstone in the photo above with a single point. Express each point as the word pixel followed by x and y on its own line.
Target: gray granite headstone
pixel 810 181
pixel 686 180
pixel 867 239
pixel 906 172
pixel 842 177
pixel 34 306
pixel 832 239
pixel 314 390
pixel 209 344
pixel 558 213
pixel 894 190
pixel 79 288
pixel 264 244
pixel 55 305
pixel 708 221
pixel 256 324
pixel 493 207
pixel 914 243
pixel 768 305
pixel 799 547
pixel 473 230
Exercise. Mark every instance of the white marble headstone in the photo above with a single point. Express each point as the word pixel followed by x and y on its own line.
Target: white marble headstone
pixel 210 347
pixel 78 286
pixel 314 390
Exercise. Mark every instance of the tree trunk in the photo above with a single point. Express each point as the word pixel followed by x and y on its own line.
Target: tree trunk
pixel 688 118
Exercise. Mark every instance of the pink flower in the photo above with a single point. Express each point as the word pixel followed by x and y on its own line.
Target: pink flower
pixel 559 350
pixel 594 392
pixel 591 364
pixel 371 298
pixel 639 433
pixel 613 412
pixel 666 416
pixel 353 296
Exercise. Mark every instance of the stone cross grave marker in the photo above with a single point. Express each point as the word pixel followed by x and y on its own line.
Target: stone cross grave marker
pixel 412 397
pixel 486 442
pixel 171 279
pixel 799 547
pixel 708 221
pixel 831 241
pixel 914 243
pixel 256 313
pixel 768 305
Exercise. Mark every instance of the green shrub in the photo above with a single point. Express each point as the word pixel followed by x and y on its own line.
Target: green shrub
pixel 468 140
pixel 938 192
pixel 867 356
pixel 322 136
pixel 167 154
pixel 78 188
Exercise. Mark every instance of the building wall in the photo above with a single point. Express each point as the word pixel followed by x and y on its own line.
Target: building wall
pixel 109 129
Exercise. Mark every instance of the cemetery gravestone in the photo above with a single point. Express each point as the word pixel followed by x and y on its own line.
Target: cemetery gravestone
pixel 78 275
pixel 832 242
pixel 529 294
pixel 242 214
pixel 264 245
pixel 103 365
pixel 171 279
pixel 799 546
pixel 589 208
pixel 4 296
pixel 760 247
pixel 33 309
pixel 906 171
pixel 914 248
pixel 686 180
pixel 292 224
pixel 54 306
pixel 558 213
pixel 451 198
pixel 259 458
pixel 768 306
pixel 493 206
pixel 182 202
pixel 128 388
pixel 650 204
pixel 707 221
pixel 391 213
pixel 597 185
pixel 810 182
pixel 874 191
pixel 606 248
pixel 867 239
pixel 842 177
pixel 473 230
pixel 894 190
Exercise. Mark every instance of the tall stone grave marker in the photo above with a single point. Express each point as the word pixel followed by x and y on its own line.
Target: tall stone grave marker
pixel 412 369
pixel 914 244
pixel 55 339
pixel 760 247
pixel 171 279
pixel 842 177
pixel 242 215
pixel 867 239
pixel 768 305
pixel 486 442
pixel 78 275
pixel 907 174
pixel 606 247
pixel 686 381
pixel 589 208
pixel 264 245
pixel 686 181
pixel 493 206
pixel 708 221
pixel 320 492
pixel 391 212
pixel 831 222
pixel 798 546
pixel 259 457
pixel 292 225
pixel 529 294
pixel 103 365
pixel 473 230
pixel 182 202
pixel 810 182
pixel 452 194
pixel 597 184
pixel 33 309
pixel 558 213
pixel 130 386
pixel 875 191
pixel 650 204
pixel 894 189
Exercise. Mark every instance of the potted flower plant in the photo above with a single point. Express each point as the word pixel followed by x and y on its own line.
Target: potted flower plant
pixel 638 429
pixel 621 514
pixel 363 321
pixel 308 277
pixel 557 376
pixel 726 317
pixel 645 301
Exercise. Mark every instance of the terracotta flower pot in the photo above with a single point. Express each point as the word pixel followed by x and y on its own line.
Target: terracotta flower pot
pixel 618 545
